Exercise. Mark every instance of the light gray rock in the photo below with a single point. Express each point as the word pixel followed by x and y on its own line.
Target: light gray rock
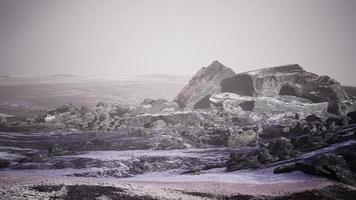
pixel 232 102
pixel 204 83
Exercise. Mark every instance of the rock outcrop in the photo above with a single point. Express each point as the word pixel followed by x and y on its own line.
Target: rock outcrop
pixel 204 83
pixel 290 80
pixel 248 109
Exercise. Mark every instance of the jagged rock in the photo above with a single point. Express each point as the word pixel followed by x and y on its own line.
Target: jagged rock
pixel 338 165
pixel 290 80
pixel 328 165
pixel 204 83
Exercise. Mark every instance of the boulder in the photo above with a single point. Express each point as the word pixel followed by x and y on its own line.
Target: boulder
pixel 264 104
pixel 337 165
pixel 290 80
pixel 313 118
pixel 204 83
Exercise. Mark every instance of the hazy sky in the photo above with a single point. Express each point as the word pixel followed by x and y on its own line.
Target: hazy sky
pixel 103 37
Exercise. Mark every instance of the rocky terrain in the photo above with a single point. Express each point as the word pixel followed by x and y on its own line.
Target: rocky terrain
pixel 274 133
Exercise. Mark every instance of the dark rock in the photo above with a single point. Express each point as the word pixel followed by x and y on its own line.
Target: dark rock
pixel 308 142
pixel 329 165
pixel 313 118
pixel 284 168
pixel 337 165
pixel 281 148
pixel 204 83
pixel 246 160
pixel 4 163
pixel 287 90
pixel 352 116
pixel 247 105
pixel 334 121
pixel 241 84
pixel 203 103
pixel 192 172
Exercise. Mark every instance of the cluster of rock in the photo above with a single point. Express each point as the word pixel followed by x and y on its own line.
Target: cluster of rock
pixel 277 113
pixel 291 80
pixel 311 134
pixel 216 96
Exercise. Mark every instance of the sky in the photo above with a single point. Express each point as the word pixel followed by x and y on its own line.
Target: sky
pixel 119 37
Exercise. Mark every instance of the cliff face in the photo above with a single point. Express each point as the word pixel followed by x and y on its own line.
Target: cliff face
pixel 289 80
pixel 204 83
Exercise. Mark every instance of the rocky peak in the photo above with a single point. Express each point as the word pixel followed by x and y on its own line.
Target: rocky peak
pixel 203 84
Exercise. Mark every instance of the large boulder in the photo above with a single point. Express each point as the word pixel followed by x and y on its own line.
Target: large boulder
pixel 235 103
pixel 290 80
pixel 204 83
